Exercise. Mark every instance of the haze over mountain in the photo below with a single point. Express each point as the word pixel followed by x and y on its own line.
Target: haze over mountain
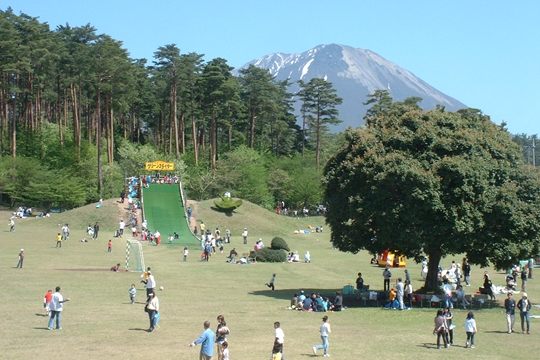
pixel 354 73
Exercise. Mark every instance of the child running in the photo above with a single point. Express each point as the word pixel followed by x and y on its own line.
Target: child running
pixel 132 292
pixel 271 283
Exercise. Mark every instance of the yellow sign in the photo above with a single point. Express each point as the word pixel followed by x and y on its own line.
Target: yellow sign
pixel 159 165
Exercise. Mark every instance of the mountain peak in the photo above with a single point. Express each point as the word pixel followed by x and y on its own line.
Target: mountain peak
pixel 354 73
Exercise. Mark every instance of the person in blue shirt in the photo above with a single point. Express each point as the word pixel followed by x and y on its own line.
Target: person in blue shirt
pixel 207 340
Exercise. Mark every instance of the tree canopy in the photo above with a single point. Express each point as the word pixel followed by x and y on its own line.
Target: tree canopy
pixel 432 184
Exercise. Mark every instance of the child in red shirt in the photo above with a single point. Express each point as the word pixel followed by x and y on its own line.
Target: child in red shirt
pixel 109 246
pixel 47 301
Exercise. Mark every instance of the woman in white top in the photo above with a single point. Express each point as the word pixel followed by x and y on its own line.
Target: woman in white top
pixel 325 331
pixel 470 328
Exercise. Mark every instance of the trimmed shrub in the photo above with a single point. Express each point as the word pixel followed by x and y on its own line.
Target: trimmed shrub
pixel 279 244
pixel 227 204
pixel 271 255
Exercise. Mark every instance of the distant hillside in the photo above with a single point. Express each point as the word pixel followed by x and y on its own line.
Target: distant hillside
pixel 354 73
pixel 108 216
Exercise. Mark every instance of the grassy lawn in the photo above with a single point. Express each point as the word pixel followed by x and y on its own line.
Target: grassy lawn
pixel 99 322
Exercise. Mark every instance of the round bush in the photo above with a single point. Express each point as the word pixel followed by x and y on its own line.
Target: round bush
pixel 279 244
pixel 271 255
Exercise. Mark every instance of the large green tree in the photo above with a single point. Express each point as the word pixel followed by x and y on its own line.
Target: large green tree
pixel 319 101
pixel 432 184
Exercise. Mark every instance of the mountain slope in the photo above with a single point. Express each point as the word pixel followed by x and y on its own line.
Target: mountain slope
pixel 354 73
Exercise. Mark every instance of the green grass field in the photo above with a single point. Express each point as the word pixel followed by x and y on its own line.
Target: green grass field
pixel 99 322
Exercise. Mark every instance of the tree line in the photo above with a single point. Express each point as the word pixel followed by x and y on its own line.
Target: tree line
pixel 69 92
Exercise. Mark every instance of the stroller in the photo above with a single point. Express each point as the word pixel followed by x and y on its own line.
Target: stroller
pixel 510 283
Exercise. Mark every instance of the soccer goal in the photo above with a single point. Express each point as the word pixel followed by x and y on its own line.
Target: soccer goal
pixel 134 256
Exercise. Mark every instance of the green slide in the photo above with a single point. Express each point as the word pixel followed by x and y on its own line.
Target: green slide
pixel 164 211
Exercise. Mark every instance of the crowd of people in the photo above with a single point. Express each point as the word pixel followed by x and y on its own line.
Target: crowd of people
pixel 316 302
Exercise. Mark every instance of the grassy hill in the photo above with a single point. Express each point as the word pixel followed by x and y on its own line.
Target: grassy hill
pixel 260 222
pixel 108 216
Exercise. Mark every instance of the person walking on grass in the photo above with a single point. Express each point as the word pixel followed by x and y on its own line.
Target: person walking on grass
pixel 109 246
pixel 152 308
pixel 440 329
pixel 59 240
pixel 11 225
pixel 56 307
pixel 132 292
pixel 510 307
pixel 524 279
pixel 279 339
pixel 470 329
pixel 524 306
pixel 207 340
pixel 325 331
pixel 21 259
pixel 121 227
pixel 271 283
pixel 65 232
pixel 185 252
pixel 466 271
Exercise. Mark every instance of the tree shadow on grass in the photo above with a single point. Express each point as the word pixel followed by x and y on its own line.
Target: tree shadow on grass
pixel 228 213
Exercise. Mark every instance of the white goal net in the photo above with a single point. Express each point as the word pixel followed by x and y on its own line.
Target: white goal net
pixel 134 256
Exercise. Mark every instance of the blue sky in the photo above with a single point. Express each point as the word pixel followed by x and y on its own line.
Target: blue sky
pixel 485 54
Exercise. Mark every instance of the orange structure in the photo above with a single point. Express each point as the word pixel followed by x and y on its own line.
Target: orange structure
pixel 392 259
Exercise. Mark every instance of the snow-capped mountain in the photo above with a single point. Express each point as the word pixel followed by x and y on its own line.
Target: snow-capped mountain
pixel 354 73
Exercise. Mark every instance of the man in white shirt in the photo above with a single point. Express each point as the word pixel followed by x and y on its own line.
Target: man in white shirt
pixel 121 226
pixel 65 232
pixel 56 307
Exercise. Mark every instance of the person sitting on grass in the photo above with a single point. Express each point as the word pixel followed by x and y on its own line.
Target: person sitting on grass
pixel 116 268
pixel 232 255
pixel 392 302
pixel 338 301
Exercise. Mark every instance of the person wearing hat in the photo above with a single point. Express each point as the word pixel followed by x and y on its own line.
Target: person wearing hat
pixel 524 305
pixel 21 259
pixel 152 307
